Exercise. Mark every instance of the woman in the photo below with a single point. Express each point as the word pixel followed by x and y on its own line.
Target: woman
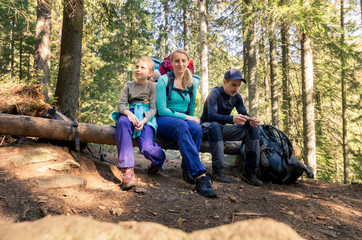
pixel 176 95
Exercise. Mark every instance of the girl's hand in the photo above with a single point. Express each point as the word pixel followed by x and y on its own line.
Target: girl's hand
pixel 140 125
pixel 193 118
pixel 133 119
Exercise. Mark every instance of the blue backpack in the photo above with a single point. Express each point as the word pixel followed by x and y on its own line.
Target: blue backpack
pixel 277 161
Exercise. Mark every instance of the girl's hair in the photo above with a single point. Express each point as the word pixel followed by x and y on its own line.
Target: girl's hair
pixel 150 63
pixel 187 80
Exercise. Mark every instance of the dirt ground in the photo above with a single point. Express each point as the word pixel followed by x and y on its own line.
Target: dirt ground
pixel 314 209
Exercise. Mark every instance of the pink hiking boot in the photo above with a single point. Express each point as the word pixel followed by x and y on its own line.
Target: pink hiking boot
pixel 129 179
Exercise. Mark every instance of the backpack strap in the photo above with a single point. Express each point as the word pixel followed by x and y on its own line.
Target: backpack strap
pixel 181 92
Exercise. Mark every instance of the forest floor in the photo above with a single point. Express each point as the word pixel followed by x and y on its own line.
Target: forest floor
pixel 314 209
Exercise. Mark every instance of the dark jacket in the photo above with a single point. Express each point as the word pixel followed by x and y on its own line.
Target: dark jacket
pixel 219 105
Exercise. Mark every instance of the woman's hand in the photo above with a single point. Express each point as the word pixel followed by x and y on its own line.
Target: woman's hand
pixel 193 118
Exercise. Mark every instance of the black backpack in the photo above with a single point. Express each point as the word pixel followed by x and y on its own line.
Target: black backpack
pixel 277 161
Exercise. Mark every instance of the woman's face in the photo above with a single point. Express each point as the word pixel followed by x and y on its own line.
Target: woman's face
pixel 179 62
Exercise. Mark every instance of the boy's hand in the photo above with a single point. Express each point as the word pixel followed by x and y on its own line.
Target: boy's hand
pixel 240 119
pixel 254 122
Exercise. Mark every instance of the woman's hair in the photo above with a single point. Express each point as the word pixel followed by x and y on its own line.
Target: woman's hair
pixel 150 63
pixel 187 80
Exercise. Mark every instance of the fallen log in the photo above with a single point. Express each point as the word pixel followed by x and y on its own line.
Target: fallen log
pixel 26 126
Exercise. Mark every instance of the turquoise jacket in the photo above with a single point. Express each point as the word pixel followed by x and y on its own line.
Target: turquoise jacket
pixel 176 107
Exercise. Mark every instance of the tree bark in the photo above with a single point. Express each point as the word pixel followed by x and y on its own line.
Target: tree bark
pixel 165 6
pixel 42 45
pixel 308 106
pixel 204 52
pixel 344 102
pixel 20 125
pixel 252 77
pixel 273 74
pixel 285 82
pixel 186 26
pixel 67 89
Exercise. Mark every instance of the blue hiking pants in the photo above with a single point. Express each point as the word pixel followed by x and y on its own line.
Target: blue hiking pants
pixel 151 150
pixel 188 136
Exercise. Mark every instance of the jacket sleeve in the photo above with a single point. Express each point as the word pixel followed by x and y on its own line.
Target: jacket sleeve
pixel 152 112
pixel 161 100
pixel 192 104
pixel 213 114
pixel 240 106
pixel 123 101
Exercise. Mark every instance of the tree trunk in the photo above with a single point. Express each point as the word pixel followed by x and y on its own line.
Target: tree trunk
pixel 344 102
pixel 12 59
pixel 251 51
pixel 186 27
pixel 285 63
pixel 21 40
pixel 67 89
pixel 42 45
pixel 165 6
pixel 20 125
pixel 308 106
pixel 264 64
pixel 204 52
pixel 273 74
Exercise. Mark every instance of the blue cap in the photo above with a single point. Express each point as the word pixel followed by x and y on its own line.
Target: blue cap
pixel 234 74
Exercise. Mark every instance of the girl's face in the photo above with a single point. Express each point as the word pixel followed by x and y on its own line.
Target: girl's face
pixel 179 62
pixel 142 71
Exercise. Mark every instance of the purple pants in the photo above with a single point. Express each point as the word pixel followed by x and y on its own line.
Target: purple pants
pixel 147 147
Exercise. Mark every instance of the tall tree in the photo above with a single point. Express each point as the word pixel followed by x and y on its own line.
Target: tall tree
pixel 273 73
pixel 42 45
pixel 344 101
pixel 67 89
pixel 185 23
pixel 308 106
pixel 166 29
pixel 285 76
pixel 204 52
pixel 251 60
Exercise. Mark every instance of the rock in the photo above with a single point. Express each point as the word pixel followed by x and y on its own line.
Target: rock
pixel 172 154
pixel 101 207
pixel 63 166
pixel 34 156
pixel 78 227
pixel 117 211
pixel 60 181
pixel 328 233
pixel 141 190
pixel 312 203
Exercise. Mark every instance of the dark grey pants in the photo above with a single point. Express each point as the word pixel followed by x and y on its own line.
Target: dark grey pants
pixel 217 133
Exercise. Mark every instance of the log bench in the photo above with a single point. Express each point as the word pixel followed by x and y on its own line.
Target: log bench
pixel 27 126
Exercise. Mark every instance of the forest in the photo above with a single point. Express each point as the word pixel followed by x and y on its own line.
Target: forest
pixel 301 59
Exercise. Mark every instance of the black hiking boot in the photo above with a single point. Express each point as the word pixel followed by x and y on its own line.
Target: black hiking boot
pixel 220 177
pixel 187 177
pixel 251 179
pixel 204 188
pixel 153 169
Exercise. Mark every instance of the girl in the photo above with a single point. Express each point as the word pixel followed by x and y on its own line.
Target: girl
pixel 137 106
pixel 176 94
